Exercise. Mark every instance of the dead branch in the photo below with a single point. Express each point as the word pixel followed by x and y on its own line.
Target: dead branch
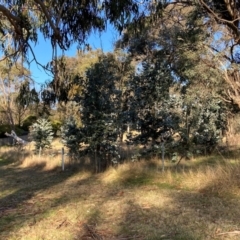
pixel 19 140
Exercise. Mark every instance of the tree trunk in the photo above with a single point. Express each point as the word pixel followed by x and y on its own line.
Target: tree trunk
pixel 10 118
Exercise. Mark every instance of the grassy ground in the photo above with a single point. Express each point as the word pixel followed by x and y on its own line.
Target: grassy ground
pixel 198 200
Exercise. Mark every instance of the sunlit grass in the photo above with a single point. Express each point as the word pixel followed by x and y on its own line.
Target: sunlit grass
pixel 25 157
pixel 193 175
pixel 198 199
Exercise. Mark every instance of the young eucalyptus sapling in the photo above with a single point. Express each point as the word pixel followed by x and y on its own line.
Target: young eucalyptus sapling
pixel 41 133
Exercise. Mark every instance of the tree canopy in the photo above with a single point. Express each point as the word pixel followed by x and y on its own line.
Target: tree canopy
pixel 63 22
pixel 67 22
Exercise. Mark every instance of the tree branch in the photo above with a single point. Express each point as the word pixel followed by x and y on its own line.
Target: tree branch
pixel 229 23
pixel 18 139
pixel 8 14
pixel 231 60
pixel 11 18
pixel 60 14
pixel 35 59
pixel 43 7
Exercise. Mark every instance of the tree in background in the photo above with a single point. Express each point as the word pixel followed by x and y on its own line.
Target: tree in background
pixel 12 76
pixel 41 133
pixel 65 24
pixel 160 97
pixel 70 86
pixel 26 98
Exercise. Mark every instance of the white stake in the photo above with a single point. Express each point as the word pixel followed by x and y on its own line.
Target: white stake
pixel 62 159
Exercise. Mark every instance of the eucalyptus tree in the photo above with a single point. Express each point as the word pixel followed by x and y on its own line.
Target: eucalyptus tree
pixel 66 22
pixel 62 22
pixel 72 70
pixel 224 13
pixel 101 107
pixel 174 87
pixel 222 21
pixel 11 78
pixel 41 133
pixel 27 98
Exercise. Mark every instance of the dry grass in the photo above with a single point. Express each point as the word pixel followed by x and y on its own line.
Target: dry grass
pixel 199 200
pixel 27 157
pixel 220 179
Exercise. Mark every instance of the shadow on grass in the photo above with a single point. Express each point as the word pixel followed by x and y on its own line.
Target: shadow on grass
pixel 18 186
pixel 141 222
pixel 208 216
pixel 186 215
pixel 4 161
pixel 155 223
pixel 10 155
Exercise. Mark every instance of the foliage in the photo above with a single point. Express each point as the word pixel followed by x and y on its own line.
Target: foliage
pixel 28 121
pixel 224 13
pixel 41 133
pixel 160 99
pixel 63 24
pixel 65 87
pixel 26 94
pixel 71 137
pixel 101 107
pixel 56 126
pixel 152 102
pixel 185 80
pixel 12 76
pixel 173 88
pixel 210 124
pixel 83 60
pixel 26 98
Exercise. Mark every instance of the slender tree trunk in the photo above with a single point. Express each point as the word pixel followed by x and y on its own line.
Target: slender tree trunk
pixel 10 118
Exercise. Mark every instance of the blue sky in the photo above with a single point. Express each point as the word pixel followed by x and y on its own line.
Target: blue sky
pixel 43 51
